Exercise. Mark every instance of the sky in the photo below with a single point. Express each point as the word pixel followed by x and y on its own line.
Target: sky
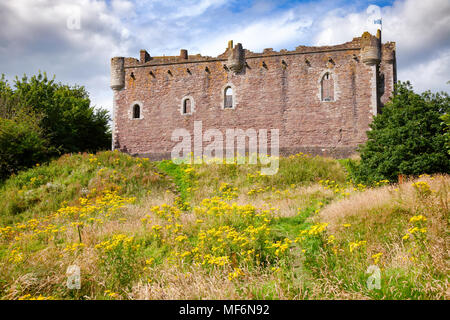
pixel 74 40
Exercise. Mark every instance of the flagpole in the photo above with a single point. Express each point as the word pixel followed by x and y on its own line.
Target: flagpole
pixel 381 26
pixel 380 22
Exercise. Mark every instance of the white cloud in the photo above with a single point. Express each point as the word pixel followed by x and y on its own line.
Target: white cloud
pixel 123 8
pixel 35 36
pixel 430 74
pixel 420 29
pixel 270 32
pixel 195 8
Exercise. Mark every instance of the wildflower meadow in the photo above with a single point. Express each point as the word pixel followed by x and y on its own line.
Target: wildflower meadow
pixel 137 229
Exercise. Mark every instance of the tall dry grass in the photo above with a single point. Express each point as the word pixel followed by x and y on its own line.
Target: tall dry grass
pixel 312 269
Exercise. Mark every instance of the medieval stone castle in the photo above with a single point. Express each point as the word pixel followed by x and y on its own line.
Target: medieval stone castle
pixel 322 99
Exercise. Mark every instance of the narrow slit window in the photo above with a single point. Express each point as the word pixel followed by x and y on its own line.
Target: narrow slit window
pixel 187 106
pixel 136 111
pixel 327 87
pixel 228 103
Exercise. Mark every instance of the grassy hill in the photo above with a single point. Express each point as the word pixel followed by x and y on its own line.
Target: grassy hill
pixel 155 230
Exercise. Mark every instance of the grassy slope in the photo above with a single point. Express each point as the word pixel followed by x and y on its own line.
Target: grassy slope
pixel 139 229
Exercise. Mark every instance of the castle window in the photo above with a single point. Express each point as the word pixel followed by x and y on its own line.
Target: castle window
pixel 187 106
pixel 136 111
pixel 228 98
pixel 327 87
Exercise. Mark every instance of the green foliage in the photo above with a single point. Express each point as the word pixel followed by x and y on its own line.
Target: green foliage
pixel 40 119
pixel 181 174
pixel 446 122
pixel 69 121
pixel 119 260
pixel 406 138
pixel 291 226
pixel 299 169
pixel 22 144
pixel 303 169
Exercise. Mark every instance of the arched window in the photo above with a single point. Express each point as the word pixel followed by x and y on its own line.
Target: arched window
pixel 187 106
pixel 228 98
pixel 136 111
pixel 327 87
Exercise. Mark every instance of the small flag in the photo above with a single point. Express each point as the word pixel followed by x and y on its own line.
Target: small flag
pixel 377 21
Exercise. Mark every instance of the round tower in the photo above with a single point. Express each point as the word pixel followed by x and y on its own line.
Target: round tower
pixel 117 73
pixel 117 84
pixel 370 49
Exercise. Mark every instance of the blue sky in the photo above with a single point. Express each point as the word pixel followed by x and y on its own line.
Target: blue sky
pixel 35 35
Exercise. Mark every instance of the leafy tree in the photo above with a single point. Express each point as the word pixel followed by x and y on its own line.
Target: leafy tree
pixel 22 143
pixel 21 146
pixel 69 121
pixel 446 122
pixel 406 138
pixel 40 119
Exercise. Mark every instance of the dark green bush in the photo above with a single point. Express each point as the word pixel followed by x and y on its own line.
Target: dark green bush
pixel 69 121
pixel 21 146
pixel 407 138
pixel 41 119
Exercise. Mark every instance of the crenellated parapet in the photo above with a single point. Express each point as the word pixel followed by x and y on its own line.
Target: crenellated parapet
pixel 371 52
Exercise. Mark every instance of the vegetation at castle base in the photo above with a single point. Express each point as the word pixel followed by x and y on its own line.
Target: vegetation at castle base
pixel 40 119
pixel 409 137
pixel 154 230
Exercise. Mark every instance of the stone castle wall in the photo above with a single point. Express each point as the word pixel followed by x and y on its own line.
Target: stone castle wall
pixel 271 90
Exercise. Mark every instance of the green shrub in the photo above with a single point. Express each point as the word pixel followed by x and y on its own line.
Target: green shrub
pixel 69 120
pixel 40 119
pixel 446 122
pixel 119 260
pixel 406 138
pixel 21 146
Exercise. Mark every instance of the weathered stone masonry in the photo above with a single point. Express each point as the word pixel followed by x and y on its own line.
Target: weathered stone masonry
pixel 322 99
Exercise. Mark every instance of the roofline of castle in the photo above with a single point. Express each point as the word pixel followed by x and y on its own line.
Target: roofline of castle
pixel 207 60
pixel 372 52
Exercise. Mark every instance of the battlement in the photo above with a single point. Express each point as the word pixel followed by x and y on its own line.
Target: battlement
pixel 366 41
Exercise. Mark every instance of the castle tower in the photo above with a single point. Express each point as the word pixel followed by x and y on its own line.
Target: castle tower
pixel 389 69
pixel 117 84
pixel 371 56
